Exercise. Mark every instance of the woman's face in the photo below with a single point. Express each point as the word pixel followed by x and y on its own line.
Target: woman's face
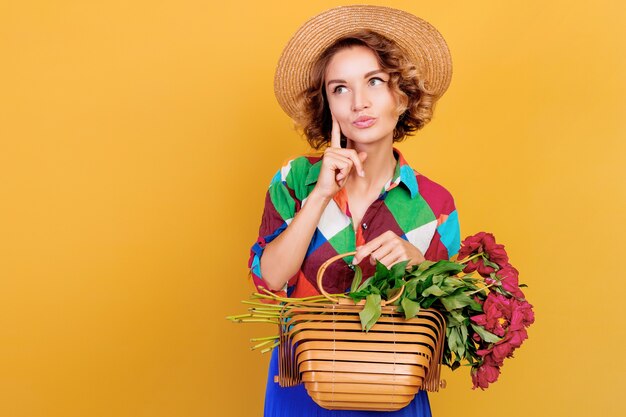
pixel 359 96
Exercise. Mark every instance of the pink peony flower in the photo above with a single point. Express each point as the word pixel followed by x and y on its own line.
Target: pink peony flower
pixel 506 318
pixel 497 311
pixel 509 280
pixel 486 243
pixel 471 245
pixel 478 264
pixel 526 310
pixel 486 373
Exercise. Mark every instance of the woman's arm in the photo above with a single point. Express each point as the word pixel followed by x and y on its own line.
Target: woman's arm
pixel 284 255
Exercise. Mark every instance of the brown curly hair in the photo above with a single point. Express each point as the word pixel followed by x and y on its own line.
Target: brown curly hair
pixel 416 102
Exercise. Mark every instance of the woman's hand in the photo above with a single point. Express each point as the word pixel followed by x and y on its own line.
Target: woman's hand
pixel 389 249
pixel 337 164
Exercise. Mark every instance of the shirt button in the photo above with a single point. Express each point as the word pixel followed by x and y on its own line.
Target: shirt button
pixel 351 266
pixel 364 226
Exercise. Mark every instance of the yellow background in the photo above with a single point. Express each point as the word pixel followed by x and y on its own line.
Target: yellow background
pixel 137 139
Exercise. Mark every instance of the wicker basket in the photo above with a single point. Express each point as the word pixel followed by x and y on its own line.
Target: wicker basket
pixel 345 368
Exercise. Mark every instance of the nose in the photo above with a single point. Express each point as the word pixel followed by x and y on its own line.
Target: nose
pixel 360 100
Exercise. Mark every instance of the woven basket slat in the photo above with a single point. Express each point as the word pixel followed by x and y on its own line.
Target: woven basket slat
pixel 364 398
pixel 375 379
pixel 364 357
pixel 414 347
pixel 377 389
pixel 359 368
pixel 352 405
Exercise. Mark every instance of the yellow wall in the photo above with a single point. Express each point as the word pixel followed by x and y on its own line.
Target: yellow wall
pixel 136 143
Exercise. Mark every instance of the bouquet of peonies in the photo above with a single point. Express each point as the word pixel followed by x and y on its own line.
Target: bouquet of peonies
pixel 486 315
pixel 505 311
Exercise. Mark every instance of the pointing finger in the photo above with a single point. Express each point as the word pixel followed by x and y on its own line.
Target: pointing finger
pixel 335 134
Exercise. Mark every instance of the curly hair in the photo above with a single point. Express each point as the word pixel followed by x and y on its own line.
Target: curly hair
pixel 416 103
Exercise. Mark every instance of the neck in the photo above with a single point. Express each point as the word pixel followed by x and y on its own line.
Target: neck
pixel 379 165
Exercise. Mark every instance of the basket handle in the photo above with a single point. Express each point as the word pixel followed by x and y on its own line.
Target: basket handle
pixel 320 274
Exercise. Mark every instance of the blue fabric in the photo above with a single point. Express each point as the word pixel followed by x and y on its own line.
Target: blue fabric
pixel 295 402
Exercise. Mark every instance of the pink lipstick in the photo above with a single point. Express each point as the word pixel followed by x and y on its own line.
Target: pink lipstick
pixel 364 122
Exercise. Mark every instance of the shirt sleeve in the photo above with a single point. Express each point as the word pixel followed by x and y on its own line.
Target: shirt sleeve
pixel 447 239
pixel 278 212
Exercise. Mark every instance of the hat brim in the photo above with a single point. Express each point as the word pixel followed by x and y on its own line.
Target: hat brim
pixel 422 43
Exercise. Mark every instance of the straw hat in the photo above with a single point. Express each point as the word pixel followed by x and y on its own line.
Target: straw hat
pixel 422 43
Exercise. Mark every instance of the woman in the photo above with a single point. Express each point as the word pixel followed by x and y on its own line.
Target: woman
pixel 356 79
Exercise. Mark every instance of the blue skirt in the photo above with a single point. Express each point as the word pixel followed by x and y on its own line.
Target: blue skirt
pixel 296 402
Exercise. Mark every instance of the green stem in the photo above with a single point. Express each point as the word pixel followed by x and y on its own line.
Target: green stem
pixel 263 305
pixel 270 348
pixel 252 320
pixel 483 288
pixel 258 339
pixel 261 344
pixel 315 298
pixel 470 258
pixel 237 318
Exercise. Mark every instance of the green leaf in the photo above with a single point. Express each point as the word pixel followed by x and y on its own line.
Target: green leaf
pixel 409 289
pixel 365 284
pixel 464 334
pixel 456 301
pixel 433 290
pixel 474 305
pixel 381 270
pixel 452 283
pixel 356 281
pixel 487 262
pixel 397 270
pixel 390 293
pixel 445 267
pixel 411 308
pixel 429 301
pixel 422 284
pixel 358 295
pixel 371 311
pixel 438 279
pixel 397 283
pixel 412 271
pixel 455 318
pixel 425 265
pixel 454 339
pixel 485 335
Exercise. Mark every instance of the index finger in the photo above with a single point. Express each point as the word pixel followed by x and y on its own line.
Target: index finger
pixel 363 251
pixel 335 135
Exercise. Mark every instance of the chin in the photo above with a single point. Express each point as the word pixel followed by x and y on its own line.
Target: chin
pixel 369 137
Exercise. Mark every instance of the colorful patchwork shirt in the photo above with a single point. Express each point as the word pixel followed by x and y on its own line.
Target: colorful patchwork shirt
pixel 412 206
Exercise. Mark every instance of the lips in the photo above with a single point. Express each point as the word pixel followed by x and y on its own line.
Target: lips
pixel 364 122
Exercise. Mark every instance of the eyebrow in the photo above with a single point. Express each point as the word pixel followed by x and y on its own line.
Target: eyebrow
pixel 369 74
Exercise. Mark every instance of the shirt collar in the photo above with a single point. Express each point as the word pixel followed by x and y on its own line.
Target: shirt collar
pixel 403 174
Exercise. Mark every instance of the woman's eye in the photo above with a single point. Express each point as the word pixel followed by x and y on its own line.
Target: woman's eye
pixel 376 81
pixel 340 89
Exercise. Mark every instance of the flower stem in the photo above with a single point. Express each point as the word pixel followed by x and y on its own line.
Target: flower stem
pixel 470 258
pixel 237 318
pixel 270 348
pixel 260 320
pixel 483 288
pixel 315 298
pixel 262 344
pixel 259 339
pixel 264 305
